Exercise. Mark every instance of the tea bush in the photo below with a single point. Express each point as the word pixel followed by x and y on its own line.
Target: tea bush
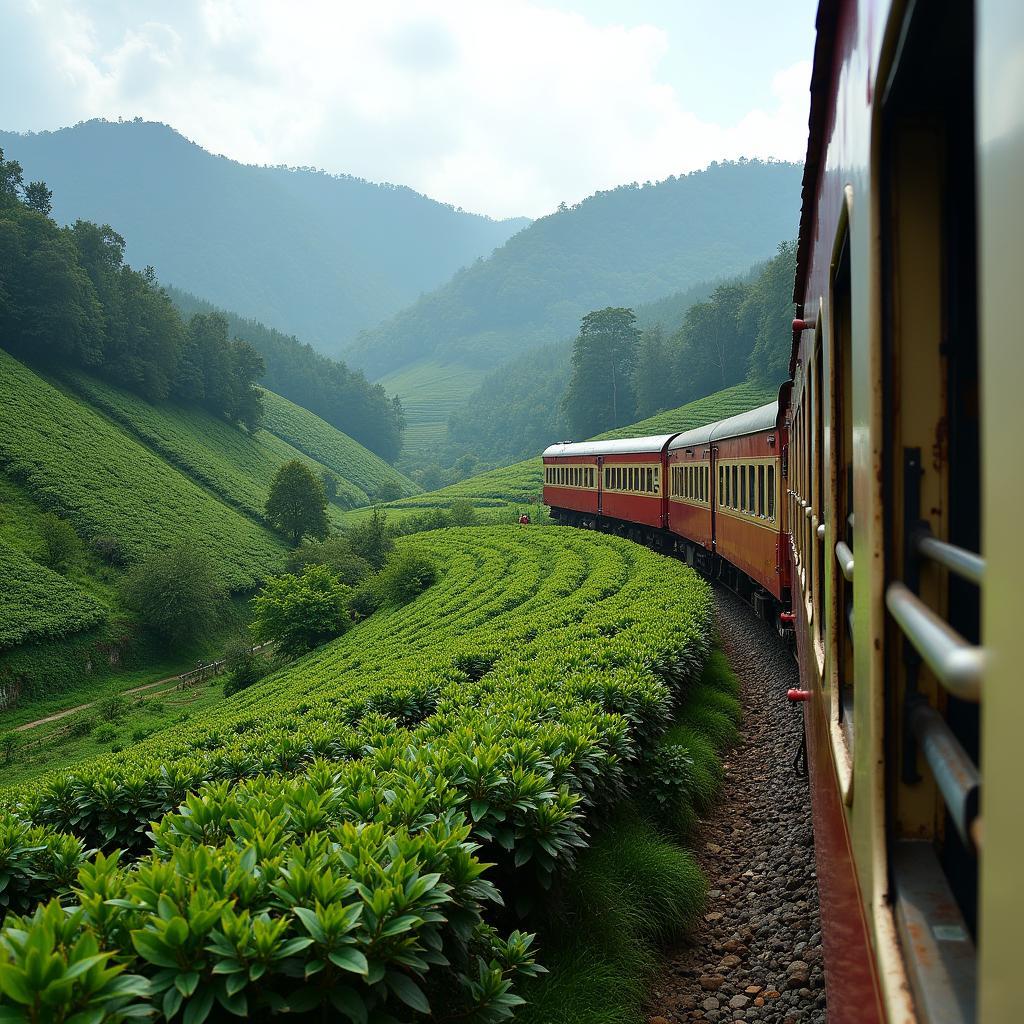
pixel 319 841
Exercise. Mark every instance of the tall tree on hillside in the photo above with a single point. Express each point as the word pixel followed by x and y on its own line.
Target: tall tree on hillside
pixel 297 505
pixel 653 387
pixel 10 180
pixel 600 391
pixel 38 197
pixel 766 315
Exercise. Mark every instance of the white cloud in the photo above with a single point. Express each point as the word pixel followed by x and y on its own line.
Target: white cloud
pixel 502 106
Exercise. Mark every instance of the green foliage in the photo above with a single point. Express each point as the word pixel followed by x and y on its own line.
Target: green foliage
pixel 298 613
pixel 330 484
pixel 600 390
pixel 38 604
pixel 81 466
pixel 361 471
pixel 235 464
pixel 61 546
pixel 175 593
pixel 297 505
pixel 370 538
pixel 244 667
pixel 352 801
pixel 406 574
pixel 336 553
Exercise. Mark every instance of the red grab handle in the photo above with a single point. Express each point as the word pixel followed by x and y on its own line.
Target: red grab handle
pixel 788 617
pixel 798 694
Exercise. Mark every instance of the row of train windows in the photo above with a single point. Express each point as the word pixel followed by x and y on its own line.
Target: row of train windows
pixel 569 476
pixel 690 482
pixel 645 479
pixel 749 489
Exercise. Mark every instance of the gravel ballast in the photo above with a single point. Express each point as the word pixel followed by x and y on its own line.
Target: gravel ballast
pixel 756 955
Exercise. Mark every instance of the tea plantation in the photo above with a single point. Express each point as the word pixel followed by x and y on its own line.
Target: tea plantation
pixel 356 837
pixel 77 463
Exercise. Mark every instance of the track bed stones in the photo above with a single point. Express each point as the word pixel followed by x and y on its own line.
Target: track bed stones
pixel 756 954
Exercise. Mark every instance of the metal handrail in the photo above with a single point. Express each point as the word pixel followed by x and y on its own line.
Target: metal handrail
pixel 956 559
pixel 955 773
pixel 957 664
pixel 844 556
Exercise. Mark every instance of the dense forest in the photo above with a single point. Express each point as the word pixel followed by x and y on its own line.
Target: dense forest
pixel 341 396
pixel 630 245
pixel 68 299
pixel 304 251
pixel 681 350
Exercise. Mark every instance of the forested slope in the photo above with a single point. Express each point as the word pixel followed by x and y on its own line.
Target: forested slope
pixel 630 245
pixel 300 250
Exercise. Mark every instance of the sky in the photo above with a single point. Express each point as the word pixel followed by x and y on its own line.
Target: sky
pixel 503 107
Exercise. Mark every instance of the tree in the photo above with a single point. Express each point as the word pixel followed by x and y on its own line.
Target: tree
pixel 600 391
pixel 336 553
pixel 61 545
pixel 371 539
pixel 330 482
pixel 38 197
pixel 297 505
pixel 406 574
pixel 175 593
pixel 10 180
pixel 297 613
pixel 651 384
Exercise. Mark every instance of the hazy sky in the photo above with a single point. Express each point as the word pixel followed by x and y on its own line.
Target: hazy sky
pixel 499 106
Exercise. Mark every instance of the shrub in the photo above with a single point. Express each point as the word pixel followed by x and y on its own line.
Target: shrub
pixel 406 574
pixel 9 743
pixel 79 726
pixel 61 546
pixel 112 708
pixel 336 553
pixel 104 733
pixel 244 666
pixel 387 491
pixel 462 513
pixel 371 539
pixel 110 549
pixel 298 613
pixel 330 485
pixel 176 594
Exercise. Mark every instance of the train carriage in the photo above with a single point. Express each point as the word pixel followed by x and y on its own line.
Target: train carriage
pixel 747 471
pixel 628 481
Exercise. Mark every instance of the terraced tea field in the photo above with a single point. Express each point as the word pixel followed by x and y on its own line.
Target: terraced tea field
pixel 320 838
pixel 78 464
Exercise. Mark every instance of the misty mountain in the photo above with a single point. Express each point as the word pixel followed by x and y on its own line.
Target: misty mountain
pixel 630 245
pixel 319 255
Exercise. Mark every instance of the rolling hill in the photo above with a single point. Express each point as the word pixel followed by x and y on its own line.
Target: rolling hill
pixel 630 246
pixel 317 254
pixel 499 495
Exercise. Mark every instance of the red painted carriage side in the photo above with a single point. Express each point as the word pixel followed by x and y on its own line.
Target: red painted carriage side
pixel 622 499
pixel 567 493
pixel 689 506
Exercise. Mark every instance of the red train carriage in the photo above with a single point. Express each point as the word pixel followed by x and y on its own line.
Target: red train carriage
pixel 622 480
pixel 748 517
pixel 690 495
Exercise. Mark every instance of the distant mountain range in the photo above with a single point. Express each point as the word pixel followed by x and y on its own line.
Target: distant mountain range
pixel 314 254
pixel 631 245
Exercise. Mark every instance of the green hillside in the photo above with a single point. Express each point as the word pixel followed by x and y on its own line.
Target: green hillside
pixel 622 247
pixel 430 392
pixel 328 446
pixel 39 604
pixel 76 462
pixel 236 465
pixel 500 494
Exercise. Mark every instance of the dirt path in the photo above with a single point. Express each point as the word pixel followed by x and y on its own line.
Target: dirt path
pixel 58 715
pixel 756 956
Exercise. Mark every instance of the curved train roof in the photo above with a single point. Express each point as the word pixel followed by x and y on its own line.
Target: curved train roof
pixel 764 418
pixel 620 446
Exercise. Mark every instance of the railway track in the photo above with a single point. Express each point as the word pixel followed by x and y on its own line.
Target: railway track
pixel 757 953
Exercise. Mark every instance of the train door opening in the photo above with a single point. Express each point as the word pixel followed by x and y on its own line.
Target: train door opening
pixel 932 478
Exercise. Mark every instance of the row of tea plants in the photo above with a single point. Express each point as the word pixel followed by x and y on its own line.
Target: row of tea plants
pixel 361 834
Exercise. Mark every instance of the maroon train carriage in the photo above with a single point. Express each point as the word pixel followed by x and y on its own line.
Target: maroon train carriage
pixel 591 481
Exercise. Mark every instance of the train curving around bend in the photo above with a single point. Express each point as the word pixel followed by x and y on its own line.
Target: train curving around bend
pixel 874 511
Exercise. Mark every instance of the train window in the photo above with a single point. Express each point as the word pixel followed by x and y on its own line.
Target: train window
pixel 725 493
pixel 735 491
pixel 743 488
pixel 771 492
pixel 760 491
pixel 657 479
pixel 750 490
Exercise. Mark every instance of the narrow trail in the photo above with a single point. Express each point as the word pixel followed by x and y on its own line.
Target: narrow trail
pixel 756 955
pixel 58 715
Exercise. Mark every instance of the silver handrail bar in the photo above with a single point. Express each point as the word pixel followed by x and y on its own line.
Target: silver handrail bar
pixel 844 556
pixel 957 664
pixel 959 560
pixel 955 773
